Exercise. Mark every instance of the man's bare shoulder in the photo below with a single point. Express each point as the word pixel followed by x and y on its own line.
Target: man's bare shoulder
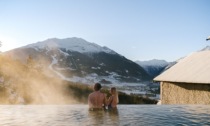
pixel 91 94
pixel 96 93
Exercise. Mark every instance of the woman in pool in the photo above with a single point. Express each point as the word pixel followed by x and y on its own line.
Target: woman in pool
pixel 113 99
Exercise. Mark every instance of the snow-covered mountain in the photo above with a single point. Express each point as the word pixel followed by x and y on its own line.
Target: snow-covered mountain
pixel 153 67
pixel 71 44
pixel 75 59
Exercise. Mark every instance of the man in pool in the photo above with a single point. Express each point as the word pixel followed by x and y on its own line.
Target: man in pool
pixel 97 99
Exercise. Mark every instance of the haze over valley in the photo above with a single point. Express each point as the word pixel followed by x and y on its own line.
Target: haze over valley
pixel 72 60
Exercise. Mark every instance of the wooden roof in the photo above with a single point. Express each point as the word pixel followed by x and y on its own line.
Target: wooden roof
pixel 194 68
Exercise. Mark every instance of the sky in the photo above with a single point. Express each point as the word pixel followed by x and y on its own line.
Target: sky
pixel 137 29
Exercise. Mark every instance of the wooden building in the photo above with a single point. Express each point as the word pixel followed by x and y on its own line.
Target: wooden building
pixel 188 81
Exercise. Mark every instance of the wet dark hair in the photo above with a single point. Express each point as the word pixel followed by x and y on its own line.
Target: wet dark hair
pixel 97 86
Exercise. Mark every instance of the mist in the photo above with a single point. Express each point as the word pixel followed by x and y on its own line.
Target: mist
pixel 25 83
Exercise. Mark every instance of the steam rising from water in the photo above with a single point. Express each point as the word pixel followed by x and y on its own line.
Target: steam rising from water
pixel 24 84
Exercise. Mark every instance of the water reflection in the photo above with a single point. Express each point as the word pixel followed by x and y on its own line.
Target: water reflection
pixel 79 115
pixel 103 117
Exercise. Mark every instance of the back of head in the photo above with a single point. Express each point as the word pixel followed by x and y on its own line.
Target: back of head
pixel 97 86
pixel 113 90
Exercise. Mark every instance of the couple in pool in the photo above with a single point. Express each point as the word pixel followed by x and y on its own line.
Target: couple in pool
pixel 98 101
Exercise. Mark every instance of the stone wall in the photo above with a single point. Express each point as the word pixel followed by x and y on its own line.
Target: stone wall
pixel 185 93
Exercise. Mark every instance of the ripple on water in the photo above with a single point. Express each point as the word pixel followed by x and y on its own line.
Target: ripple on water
pixel 131 115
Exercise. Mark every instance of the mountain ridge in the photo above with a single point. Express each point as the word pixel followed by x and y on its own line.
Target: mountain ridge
pixel 73 44
pixel 153 67
pixel 82 62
